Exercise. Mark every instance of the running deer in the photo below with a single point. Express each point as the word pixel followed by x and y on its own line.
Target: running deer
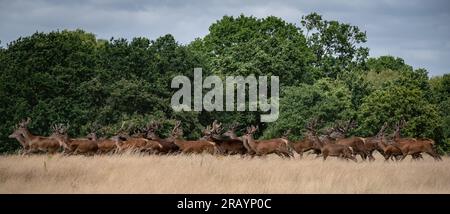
pixel 73 145
pixel 356 143
pixel 167 144
pixel 372 143
pixel 309 141
pixel 231 133
pixel 228 146
pixel 105 145
pixel 329 148
pixel 279 146
pixel 412 146
pixel 18 136
pixel 36 143
pixel 193 146
pixel 135 143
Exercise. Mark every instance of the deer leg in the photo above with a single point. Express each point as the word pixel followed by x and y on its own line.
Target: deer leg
pixel 301 154
pixel 280 154
pixel 404 156
pixel 434 155
pixel 362 155
pixel 370 155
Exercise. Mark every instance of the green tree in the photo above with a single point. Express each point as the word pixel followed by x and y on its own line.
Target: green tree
pixel 395 102
pixel 337 46
pixel 440 87
pixel 329 100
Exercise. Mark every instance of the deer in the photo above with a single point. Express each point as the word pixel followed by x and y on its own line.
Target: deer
pixel 73 145
pixel 136 142
pixel 36 143
pixel 167 145
pixel 105 145
pixel 336 150
pixel 309 141
pixel 231 133
pixel 227 146
pixel 279 146
pixel 413 146
pixel 389 151
pixel 356 143
pixel 193 146
pixel 372 143
pixel 18 136
pixel 328 148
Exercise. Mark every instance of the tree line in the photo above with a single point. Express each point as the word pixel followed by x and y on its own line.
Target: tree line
pixel 324 68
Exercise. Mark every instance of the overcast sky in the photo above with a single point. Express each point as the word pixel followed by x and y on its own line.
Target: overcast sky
pixel 416 30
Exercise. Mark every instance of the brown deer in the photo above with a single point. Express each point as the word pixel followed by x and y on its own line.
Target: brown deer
pixel 18 136
pixel 389 151
pixel 231 133
pixel 167 145
pixel 371 143
pixel 135 143
pixel 279 146
pixel 37 143
pixel 412 146
pixel 73 145
pixel 193 146
pixel 356 143
pixel 227 146
pixel 309 141
pixel 330 148
pixel 327 147
pixel 105 145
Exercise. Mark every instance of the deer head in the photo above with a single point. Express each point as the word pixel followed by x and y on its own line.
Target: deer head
pixel 16 133
pixel 60 134
pixel 151 129
pixel 251 130
pixel 231 132
pixel 93 129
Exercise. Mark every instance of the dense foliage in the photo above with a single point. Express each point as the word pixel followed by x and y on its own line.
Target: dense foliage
pixel 73 77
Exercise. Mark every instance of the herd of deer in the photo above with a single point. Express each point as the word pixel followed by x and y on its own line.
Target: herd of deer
pixel 215 141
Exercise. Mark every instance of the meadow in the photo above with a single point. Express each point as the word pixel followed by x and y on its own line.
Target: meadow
pixel 132 173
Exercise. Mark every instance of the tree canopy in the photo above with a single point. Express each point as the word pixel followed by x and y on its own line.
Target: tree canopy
pixel 73 77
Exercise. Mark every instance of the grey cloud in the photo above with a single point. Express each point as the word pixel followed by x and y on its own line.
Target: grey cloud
pixel 414 30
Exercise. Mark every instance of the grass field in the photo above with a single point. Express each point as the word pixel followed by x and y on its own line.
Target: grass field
pixel 213 174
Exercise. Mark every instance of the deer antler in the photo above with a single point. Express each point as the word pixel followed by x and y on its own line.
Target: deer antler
pixel 121 127
pixel 54 128
pixel 252 129
pixel 24 123
pixel 233 126
pixel 216 127
pixel 94 127
pixel 286 133
pixel 382 129
pixel 207 130
pixel 312 125
pixel 176 129
pixel 153 126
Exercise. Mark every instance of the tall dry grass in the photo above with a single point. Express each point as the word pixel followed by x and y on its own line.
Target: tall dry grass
pixel 211 174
